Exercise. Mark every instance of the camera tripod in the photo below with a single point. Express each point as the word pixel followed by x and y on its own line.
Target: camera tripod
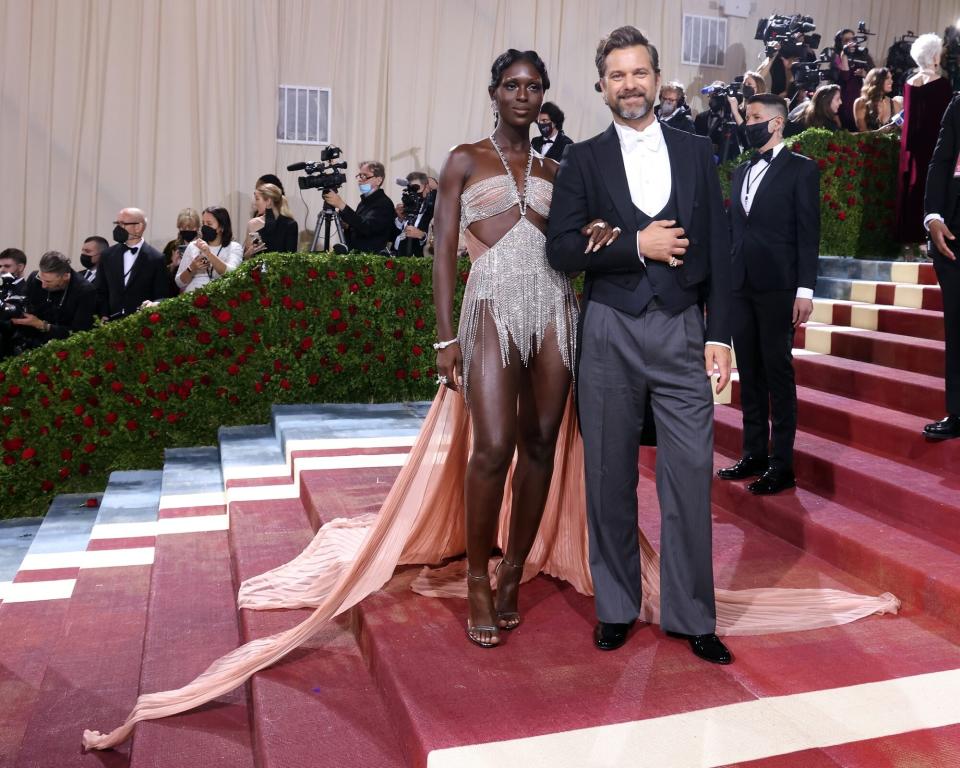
pixel 327 215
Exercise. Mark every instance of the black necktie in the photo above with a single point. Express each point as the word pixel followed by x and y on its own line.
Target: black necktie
pixel 756 157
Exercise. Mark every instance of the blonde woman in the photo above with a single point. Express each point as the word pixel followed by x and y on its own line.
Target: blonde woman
pixel 188 226
pixel 273 229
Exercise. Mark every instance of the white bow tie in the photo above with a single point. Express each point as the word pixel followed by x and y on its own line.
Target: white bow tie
pixel 648 139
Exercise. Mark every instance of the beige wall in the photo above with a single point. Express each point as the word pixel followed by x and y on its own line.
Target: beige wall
pixel 171 103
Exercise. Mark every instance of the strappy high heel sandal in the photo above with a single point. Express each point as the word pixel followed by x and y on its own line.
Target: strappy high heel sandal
pixel 474 631
pixel 508 620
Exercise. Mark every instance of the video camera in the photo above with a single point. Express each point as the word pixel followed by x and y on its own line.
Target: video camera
pixel 857 53
pixel 792 33
pixel 411 199
pixel 733 89
pixel 11 305
pixel 809 74
pixel 325 175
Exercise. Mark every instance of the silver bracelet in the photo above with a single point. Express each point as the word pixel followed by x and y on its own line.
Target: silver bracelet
pixel 438 345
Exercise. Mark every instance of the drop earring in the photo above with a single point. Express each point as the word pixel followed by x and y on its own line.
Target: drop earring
pixel 496 113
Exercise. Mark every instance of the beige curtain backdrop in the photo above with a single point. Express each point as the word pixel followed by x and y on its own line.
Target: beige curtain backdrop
pixel 166 104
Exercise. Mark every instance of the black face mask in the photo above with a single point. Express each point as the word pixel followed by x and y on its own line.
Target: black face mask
pixel 120 234
pixel 208 233
pixel 717 103
pixel 87 260
pixel 758 134
pixel 545 129
pixel 748 91
pixel 188 235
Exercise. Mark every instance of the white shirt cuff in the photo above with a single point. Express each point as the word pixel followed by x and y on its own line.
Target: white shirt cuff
pixel 717 344
pixel 804 293
pixel 931 217
pixel 643 260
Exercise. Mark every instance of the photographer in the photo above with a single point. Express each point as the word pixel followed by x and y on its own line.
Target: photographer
pixel 850 65
pixel 371 227
pixel 717 122
pixel 273 229
pixel 58 303
pixel 414 215
pixel 13 262
pixel 672 109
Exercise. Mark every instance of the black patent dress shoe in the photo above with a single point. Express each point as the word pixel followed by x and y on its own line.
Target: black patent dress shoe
pixel 772 481
pixel 707 647
pixel 608 636
pixel 945 429
pixel 748 466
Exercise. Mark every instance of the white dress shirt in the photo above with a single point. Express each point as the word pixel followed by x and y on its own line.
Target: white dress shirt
pixel 231 255
pixel 130 258
pixel 748 193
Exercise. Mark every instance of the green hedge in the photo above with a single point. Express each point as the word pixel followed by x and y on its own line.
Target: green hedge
pixel 290 328
pixel 858 190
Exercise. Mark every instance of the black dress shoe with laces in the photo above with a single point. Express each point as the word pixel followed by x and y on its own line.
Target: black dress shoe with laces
pixel 608 636
pixel 748 466
pixel 945 429
pixel 707 647
pixel 772 481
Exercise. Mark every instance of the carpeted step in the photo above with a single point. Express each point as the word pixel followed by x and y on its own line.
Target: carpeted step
pixel 318 706
pixel 191 620
pixel 874 292
pixel 33 612
pixel 898 493
pixel 472 696
pixel 891 350
pixel 905 391
pixel 869 269
pixel 872 428
pixel 921 323
pixel 93 672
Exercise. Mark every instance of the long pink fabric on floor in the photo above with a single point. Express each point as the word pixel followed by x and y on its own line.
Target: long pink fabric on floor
pixel 421 521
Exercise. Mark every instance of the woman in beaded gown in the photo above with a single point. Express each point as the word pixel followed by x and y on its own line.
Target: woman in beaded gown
pixel 500 442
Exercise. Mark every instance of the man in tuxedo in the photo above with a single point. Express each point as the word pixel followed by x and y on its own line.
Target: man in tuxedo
pixel 13 262
pixel 132 271
pixel 90 253
pixel 942 220
pixel 642 337
pixel 552 140
pixel 370 227
pixel 410 228
pixel 775 232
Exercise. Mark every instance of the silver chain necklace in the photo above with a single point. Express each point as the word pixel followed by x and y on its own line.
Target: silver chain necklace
pixel 521 201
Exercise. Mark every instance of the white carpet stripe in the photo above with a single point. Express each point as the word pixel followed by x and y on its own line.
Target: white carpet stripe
pixel 342 443
pixel 192 500
pixel 4 586
pixel 248 471
pixel 734 733
pixel 33 591
pixel 106 558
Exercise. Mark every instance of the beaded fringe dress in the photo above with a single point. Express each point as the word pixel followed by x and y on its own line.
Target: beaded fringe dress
pixel 422 521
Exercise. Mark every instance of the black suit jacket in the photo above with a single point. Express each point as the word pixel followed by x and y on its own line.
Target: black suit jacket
pixel 280 234
pixel 592 183
pixel 777 246
pixel 943 190
pixel 556 150
pixel 148 279
pixel 371 226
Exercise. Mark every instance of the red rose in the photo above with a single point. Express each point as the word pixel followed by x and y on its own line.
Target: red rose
pixel 331 275
pixel 28 453
pixel 65 394
pixel 417 350
pixel 9 460
pixel 286 281
pixel 341 348
pixel 388 264
pixel 313 379
pixel 146 333
pixel 46 486
pixel 368 280
pixel 335 314
pixel 233 370
pixel 284 384
pixel 110 366
pixel 842 215
pixel 255 275
pixel 14 390
pixel 116 386
pixel 42 378
pixel 84 469
pixel 245 296
pixel 66 454
pixel 154 318
pixel 258 386
pixel 132 425
pixel 312 274
pixel 265 301
pixel 201 301
pixel 88 421
pixel 337 368
pixel 91 502
pixel 821 163
pixel 354 288
pixel 223 332
pixel 378 303
pixel 415 279
pixel 193 321
pixel 838 172
pixel 401 312
pixel 368 348
pixel 419 324
pixel 224 316
pixel 398 334
pixel 306 343
pixel 400 374
pixel 204 338
pixel 64 473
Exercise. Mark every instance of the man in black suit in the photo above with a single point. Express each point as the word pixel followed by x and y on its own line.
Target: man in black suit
pixel 775 228
pixel 132 271
pixel 370 227
pixel 411 226
pixel 942 205
pixel 90 253
pixel 552 140
pixel 643 338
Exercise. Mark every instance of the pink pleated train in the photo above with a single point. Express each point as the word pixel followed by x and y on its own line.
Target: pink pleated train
pixel 421 521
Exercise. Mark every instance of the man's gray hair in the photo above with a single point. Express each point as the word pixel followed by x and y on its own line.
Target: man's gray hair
pixel 376 168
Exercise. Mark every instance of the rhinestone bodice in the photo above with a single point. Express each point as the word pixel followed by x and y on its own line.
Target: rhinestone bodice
pixel 494 195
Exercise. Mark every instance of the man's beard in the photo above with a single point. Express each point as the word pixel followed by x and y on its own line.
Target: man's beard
pixel 636 113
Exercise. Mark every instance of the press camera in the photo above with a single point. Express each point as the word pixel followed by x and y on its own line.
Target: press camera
pixel 325 175
pixel 787 34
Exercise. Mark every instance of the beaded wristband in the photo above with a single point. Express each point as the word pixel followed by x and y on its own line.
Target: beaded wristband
pixel 438 345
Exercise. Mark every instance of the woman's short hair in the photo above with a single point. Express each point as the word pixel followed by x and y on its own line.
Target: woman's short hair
pixel 55 263
pixel 188 216
pixel 925 49
pixel 510 57
pixel 222 215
